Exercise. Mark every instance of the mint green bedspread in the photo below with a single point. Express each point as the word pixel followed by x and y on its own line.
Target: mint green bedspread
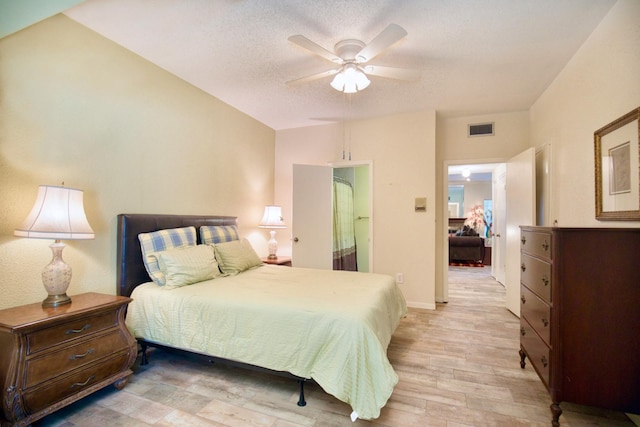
pixel 331 326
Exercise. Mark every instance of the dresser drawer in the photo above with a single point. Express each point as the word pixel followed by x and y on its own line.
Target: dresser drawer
pixel 536 243
pixel 537 312
pixel 536 275
pixel 45 338
pixel 42 368
pixel 39 398
pixel 536 350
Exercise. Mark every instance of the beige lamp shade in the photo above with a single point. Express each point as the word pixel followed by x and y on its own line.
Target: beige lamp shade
pixel 58 213
pixel 272 217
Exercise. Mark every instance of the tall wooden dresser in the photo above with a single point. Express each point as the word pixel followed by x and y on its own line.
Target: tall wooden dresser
pixel 580 314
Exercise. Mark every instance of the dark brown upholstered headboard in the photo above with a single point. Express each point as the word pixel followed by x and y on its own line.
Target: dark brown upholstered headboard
pixel 131 271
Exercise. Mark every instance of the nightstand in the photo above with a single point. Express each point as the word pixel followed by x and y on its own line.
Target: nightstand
pixel 281 260
pixel 51 357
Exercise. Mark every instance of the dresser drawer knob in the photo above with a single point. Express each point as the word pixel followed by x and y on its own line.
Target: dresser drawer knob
pixel 523 240
pixel 77 331
pixel 523 299
pixel 80 356
pixel 545 280
pixel 544 361
pixel 545 322
pixel 523 267
pixel 522 331
pixel 545 246
pixel 82 384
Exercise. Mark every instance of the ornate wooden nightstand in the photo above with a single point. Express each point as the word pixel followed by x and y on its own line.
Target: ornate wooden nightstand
pixel 51 357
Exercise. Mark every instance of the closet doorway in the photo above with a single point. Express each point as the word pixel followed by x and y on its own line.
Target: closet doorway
pixel 317 239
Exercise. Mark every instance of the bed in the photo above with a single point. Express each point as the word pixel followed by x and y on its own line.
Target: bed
pixel 332 327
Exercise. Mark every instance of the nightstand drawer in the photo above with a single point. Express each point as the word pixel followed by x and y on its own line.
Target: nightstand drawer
pixel 536 243
pixel 536 312
pixel 58 334
pixel 536 350
pixel 39 398
pixel 41 369
pixel 536 275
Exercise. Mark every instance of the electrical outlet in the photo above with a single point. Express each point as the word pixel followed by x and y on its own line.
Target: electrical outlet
pixel 399 278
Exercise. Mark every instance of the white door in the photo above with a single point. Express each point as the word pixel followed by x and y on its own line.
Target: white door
pixel 499 226
pixel 312 222
pixel 520 194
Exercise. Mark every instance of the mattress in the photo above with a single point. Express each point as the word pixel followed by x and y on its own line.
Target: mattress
pixel 331 326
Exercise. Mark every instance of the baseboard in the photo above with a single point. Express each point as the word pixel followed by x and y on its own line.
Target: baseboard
pixel 422 305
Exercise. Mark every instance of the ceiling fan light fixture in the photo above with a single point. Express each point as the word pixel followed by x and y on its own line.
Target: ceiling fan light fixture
pixel 350 79
pixel 338 82
pixel 362 82
pixel 350 87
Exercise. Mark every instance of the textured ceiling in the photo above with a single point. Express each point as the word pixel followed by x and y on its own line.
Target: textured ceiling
pixel 475 57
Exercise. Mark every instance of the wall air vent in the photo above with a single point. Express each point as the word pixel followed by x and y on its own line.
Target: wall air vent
pixel 481 129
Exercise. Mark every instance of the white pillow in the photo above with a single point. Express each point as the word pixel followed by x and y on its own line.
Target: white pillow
pixel 236 256
pixel 188 265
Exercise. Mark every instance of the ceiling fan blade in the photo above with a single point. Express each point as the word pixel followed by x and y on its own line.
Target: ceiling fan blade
pixel 392 72
pixel 313 77
pixel 313 47
pixel 386 38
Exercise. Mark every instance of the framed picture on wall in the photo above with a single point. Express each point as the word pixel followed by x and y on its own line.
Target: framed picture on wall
pixel 617 169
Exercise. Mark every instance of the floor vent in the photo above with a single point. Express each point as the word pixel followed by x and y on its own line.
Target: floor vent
pixel 481 129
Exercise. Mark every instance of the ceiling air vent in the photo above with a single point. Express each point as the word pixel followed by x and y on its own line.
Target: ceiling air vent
pixel 481 129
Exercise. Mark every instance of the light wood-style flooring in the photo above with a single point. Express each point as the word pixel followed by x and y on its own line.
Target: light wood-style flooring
pixel 458 366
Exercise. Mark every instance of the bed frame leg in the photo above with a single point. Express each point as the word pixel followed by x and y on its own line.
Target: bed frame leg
pixel 301 401
pixel 143 350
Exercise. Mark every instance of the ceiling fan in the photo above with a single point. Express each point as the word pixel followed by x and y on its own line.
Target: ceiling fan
pixel 352 57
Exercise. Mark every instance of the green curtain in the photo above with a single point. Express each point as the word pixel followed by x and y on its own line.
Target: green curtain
pixel 344 240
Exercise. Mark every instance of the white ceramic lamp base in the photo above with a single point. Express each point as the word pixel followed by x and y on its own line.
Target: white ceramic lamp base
pixel 56 277
pixel 273 245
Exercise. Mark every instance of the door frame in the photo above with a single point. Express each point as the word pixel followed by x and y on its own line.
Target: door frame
pixel 445 215
pixel 369 163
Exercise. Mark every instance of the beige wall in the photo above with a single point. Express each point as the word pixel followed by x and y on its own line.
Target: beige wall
pixel 402 148
pixel 600 84
pixel 78 108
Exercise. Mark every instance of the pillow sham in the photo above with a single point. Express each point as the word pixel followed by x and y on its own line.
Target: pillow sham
pixel 162 240
pixel 212 234
pixel 188 265
pixel 236 256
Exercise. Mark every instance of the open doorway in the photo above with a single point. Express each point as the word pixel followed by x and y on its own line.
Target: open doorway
pixel 514 205
pixel 356 181
pixel 471 215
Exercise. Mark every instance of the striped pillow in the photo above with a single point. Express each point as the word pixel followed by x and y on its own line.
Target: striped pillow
pixel 236 256
pixel 211 234
pixel 186 266
pixel 159 241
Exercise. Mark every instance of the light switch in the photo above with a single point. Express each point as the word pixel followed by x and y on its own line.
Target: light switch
pixel 421 204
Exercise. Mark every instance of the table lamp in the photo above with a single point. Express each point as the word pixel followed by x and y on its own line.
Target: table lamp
pixel 272 218
pixel 58 213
